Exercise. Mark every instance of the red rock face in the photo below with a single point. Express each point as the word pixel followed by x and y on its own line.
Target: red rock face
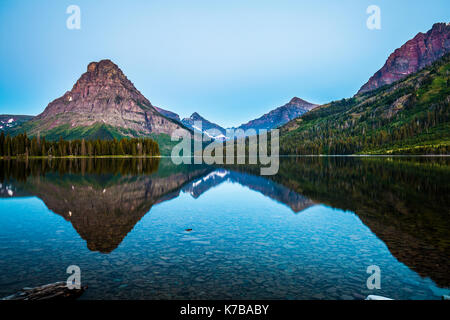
pixel 103 94
pixel 417 53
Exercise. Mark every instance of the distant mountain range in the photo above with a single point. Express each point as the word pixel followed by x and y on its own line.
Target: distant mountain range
pixel 9 121
pixel 281 115
pixel 273 119
pixel 208 127
pixel 103 103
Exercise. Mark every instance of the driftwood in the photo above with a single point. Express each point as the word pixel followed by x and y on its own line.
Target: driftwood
pixel 52 291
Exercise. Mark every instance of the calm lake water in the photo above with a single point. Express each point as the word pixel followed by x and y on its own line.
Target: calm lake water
pixel 310 232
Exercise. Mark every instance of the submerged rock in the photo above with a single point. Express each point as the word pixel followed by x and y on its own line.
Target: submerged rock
pixel 375 297
pixel 52 291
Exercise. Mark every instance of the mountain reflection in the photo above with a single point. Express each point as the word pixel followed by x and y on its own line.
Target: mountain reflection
pixel 269 188
pixel 102 198
pixel 403 201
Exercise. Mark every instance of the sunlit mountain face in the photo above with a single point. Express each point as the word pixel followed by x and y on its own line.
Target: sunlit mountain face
pixel 148 229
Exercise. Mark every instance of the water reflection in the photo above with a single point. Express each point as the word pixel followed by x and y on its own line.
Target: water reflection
pixel 403 201
pixel 102 198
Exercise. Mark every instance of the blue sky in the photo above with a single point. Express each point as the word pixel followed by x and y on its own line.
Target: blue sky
pixel 231 61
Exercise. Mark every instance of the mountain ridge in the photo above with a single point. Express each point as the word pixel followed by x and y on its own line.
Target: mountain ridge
pixel 103 103
pixel 410 116
pixel 414 55
pixel 271 120
pixel 281 115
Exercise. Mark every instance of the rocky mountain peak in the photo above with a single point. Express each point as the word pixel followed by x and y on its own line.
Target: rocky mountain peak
pixel 196 116
pixel 297 100
pixel 281 115
pixel 102 65
pixel 207 126
pixel 106 70
pixel 301 103
pixel 168 114
pixel 414 55
pixel 103 94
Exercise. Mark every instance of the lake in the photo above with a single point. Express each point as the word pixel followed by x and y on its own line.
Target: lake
pixel 148 229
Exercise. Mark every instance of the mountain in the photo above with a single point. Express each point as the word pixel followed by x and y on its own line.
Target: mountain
pixel 281 115
pixel 207 126
pixel 168 114
pixel 9 121
pixel 408 116
pixel 103 103
pixel 414 55
pixel 273 119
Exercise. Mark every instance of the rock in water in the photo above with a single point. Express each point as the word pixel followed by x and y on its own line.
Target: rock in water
pixel 52 291
pixel 375 297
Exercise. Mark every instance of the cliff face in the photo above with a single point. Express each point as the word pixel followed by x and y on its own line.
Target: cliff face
pixel 281 115
pixel 417 53
pixel 104 95
pixel 168 114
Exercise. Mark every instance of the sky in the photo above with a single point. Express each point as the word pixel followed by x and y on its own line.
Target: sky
pixel 231 61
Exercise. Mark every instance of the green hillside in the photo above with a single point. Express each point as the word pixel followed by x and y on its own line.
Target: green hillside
pixel 410 116
pixel 96 131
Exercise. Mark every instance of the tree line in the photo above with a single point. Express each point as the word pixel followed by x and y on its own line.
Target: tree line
pixel 23 146
pixel 373 132
pixel 408 117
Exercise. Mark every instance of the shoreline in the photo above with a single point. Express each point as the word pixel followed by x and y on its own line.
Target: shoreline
pixel 76 157
pixel 281 156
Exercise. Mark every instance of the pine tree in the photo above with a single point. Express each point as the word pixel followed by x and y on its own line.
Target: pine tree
pixel 8 149
pixel 90 149
pixel 83 148
pixel 43 150
pixel 120 151
pixel 2 144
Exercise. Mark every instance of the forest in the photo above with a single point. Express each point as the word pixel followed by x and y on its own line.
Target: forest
pixel 24 146
pixel 411 116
